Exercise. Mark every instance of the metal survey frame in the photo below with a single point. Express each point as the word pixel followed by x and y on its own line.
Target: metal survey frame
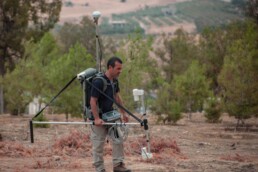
pixel 143 122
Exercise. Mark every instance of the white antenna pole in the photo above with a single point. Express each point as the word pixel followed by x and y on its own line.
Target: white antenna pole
pixel 96 15
pixel 139 96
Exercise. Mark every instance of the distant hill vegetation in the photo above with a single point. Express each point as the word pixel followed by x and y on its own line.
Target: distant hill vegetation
pixel 202 13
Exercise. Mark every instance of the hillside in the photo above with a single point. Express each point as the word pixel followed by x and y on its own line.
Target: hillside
pixel 153 16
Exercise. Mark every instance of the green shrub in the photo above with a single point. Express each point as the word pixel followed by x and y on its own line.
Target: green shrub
pixel 175 114
pixel 212 110
pixel 41 118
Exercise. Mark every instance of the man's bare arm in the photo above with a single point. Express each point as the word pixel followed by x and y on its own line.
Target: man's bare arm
pixel 94 111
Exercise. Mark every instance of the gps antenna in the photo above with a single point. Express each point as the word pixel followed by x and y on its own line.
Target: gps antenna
pixel 96 15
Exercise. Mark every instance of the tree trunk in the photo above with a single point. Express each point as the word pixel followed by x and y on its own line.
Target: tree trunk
pixel 66 116
pixel 3 53
pixel 189 108
pixel 1 99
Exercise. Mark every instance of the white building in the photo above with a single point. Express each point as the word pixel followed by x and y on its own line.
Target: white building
pixel 35 106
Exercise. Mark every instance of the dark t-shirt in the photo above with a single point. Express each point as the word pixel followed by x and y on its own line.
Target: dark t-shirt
pixel 104 103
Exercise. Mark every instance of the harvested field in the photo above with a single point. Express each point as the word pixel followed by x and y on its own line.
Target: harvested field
pixel 107 8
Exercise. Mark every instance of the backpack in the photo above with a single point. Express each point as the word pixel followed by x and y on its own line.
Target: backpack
pixel 87 92
pixel 87 77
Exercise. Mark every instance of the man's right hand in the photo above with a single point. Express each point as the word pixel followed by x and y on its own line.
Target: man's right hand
pixel 98 122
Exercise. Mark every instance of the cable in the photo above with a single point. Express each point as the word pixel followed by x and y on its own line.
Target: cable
pixel 118 133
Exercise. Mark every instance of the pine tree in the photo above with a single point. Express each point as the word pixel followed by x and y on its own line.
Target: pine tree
pixel 60 72
pixel 239 76
pixel 192 88
pixel 134 53
pixel 174 58
pixel 30 77
pixel 22 20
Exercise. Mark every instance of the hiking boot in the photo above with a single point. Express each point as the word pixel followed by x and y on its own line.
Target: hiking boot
pixel 121 168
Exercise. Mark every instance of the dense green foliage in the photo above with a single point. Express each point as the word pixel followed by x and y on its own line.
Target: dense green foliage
pixel 29 78
pixel 228 58
pixel 23 20
pixel 238 78
pixel 20 21
pixel 212 109
pixel 44 73
pixel 176 55
pixel 137 65
pixel 61 71
pixel 192 88
pixel 212 45
pixel 167 107
pixel 41 118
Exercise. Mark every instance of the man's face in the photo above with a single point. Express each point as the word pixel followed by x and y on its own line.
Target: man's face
pixel 116 70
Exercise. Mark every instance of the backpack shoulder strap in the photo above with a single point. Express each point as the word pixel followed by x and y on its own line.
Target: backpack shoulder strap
pixel 104 82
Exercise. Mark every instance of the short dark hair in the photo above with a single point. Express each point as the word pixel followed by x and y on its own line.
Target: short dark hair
pixel 113 60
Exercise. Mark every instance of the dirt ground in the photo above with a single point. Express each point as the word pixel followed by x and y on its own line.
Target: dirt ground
pixel 188 146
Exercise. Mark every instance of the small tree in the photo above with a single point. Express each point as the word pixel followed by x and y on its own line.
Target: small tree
pixel 239 79
pixel 29 78
pixel 175 54
pixel 134 54
pixel 41 118
pixel 167 107
pixel 213 46
pixel 212 109
pixel 174 57
pixel 15 91
pixel 192 88
pixel 60 72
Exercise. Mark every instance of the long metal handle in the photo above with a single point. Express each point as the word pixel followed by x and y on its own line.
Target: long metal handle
pixel 83 123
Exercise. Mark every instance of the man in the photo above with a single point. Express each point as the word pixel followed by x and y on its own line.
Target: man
pixel 100 105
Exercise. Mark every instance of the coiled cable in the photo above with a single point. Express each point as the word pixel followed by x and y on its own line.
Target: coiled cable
pixel 118 133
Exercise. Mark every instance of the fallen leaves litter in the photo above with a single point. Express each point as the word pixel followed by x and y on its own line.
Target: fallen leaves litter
pixel 78 144
pixel 236 157
pixel 14 149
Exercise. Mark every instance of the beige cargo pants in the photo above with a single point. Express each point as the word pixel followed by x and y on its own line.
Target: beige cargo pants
pixel 98 137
